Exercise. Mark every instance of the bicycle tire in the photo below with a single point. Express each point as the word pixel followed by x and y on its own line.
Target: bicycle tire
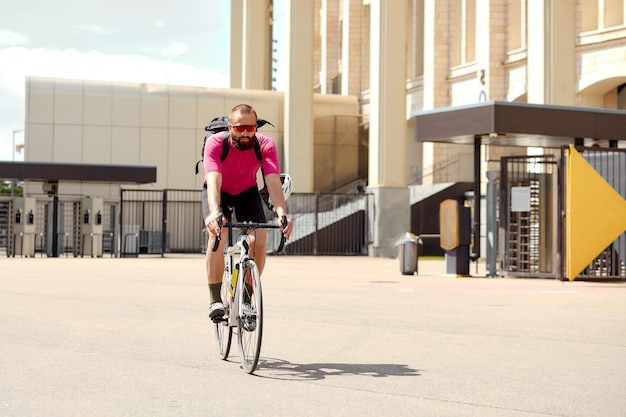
pixel 224 332
pixel 250 340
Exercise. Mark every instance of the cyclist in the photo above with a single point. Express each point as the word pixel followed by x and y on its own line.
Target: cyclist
pixel 233 183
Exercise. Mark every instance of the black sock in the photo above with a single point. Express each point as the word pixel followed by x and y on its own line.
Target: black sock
pixel 215 293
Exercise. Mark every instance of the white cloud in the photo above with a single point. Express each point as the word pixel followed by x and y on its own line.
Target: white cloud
pixel 70 63
pixel 175 48
pixel 94 29
pixel 17 62
pixel 171 50
pixel 8 38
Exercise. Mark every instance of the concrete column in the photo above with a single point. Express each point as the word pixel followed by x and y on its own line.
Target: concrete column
pixel 317 46
pixel 331 44
pixel 388 137
pixel 250 45
pixel 551 52
pixel 299 95
pixel 351 50
pixel 236 43
pixel 256 45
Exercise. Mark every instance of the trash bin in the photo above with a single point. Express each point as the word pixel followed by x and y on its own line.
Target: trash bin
pixel 408 253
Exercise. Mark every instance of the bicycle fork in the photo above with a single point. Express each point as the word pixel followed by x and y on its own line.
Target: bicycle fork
pixel 238 274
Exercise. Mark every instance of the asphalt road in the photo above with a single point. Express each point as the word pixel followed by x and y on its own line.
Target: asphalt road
pixel 343 336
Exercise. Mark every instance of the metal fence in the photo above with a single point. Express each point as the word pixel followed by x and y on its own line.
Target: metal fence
pixel 531 230
pixel 330 224
pixel 69 238
pixel 528 216
pixel 68 234
pixel 160 221
pixel 610 163
pixel 170 221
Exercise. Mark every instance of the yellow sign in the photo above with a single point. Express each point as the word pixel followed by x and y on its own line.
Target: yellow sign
pixel 595 214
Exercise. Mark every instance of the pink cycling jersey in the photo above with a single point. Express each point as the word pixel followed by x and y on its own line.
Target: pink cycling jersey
pixel 240 167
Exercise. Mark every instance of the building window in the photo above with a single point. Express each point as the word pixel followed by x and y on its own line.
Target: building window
pixel 589 15
pixel 613 13
pixel 601 14
pixel 470 30
pixel 463 32
pixel 365 60
pixel 516 17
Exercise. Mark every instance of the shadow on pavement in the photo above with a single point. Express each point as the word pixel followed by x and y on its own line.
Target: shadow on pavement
pixel 281 369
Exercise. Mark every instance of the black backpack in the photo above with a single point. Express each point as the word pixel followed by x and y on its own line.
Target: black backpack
pixel 220 124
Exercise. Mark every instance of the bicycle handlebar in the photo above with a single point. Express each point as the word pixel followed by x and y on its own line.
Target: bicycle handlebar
pixel 251 226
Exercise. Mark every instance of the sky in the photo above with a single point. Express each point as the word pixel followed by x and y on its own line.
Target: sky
pixel 186 42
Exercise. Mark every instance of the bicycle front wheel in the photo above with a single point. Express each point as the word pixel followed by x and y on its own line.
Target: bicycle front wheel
pixel 223 332
pixel 250 318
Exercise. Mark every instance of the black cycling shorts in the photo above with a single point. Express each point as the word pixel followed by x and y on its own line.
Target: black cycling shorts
pixel 247 205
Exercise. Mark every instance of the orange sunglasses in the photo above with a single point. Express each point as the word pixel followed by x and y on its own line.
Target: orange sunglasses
pixel 243 128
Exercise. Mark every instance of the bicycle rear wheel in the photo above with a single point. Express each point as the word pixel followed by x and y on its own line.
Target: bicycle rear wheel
pixel 250 319
pixel 223 332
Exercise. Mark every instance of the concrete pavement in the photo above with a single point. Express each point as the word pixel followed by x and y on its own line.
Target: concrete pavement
pixel 343 336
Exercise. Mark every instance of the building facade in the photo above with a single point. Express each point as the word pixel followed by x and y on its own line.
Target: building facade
pixel 458 52
pixel 366 67
pixel 104 122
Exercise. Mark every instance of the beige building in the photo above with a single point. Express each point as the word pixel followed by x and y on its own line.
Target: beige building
pixel 373 64
pixel 403 57
pixel 98 122
pixel 566 52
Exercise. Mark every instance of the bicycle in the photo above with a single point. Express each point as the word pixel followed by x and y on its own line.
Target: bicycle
pixel 242 298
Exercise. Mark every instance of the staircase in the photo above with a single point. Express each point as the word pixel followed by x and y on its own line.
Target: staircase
pixel 328 224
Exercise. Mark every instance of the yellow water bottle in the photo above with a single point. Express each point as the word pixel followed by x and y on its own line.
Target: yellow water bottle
pixel 233 280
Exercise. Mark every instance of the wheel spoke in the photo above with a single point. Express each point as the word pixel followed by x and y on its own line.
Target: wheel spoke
pixel 223 332
pixel 250 320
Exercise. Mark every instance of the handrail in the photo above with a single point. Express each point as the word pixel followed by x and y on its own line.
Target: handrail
pixel 436 169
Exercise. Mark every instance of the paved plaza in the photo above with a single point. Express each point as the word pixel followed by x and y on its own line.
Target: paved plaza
pixel 343 336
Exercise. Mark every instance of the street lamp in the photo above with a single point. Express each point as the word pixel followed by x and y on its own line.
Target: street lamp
pixel 13 159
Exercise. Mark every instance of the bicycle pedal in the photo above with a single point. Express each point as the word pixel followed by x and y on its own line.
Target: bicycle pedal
pixel 218 319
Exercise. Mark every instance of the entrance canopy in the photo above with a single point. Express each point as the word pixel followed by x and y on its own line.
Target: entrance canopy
pixel 516 124
pixel 55 172
pixel 519 124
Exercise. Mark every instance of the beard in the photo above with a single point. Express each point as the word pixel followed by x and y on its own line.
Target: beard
pixel 243 146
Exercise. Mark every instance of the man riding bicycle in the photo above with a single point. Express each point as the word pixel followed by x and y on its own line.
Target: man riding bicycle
pixel 233 183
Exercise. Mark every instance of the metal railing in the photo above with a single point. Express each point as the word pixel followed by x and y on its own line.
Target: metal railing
pixel 452 170
pixel 170 221
pixel 330 224
pixel 610 164
pixel 528 215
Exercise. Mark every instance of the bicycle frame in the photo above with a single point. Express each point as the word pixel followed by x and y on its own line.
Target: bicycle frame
pixel 244 257
pixel 243 265
pixel 244 302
